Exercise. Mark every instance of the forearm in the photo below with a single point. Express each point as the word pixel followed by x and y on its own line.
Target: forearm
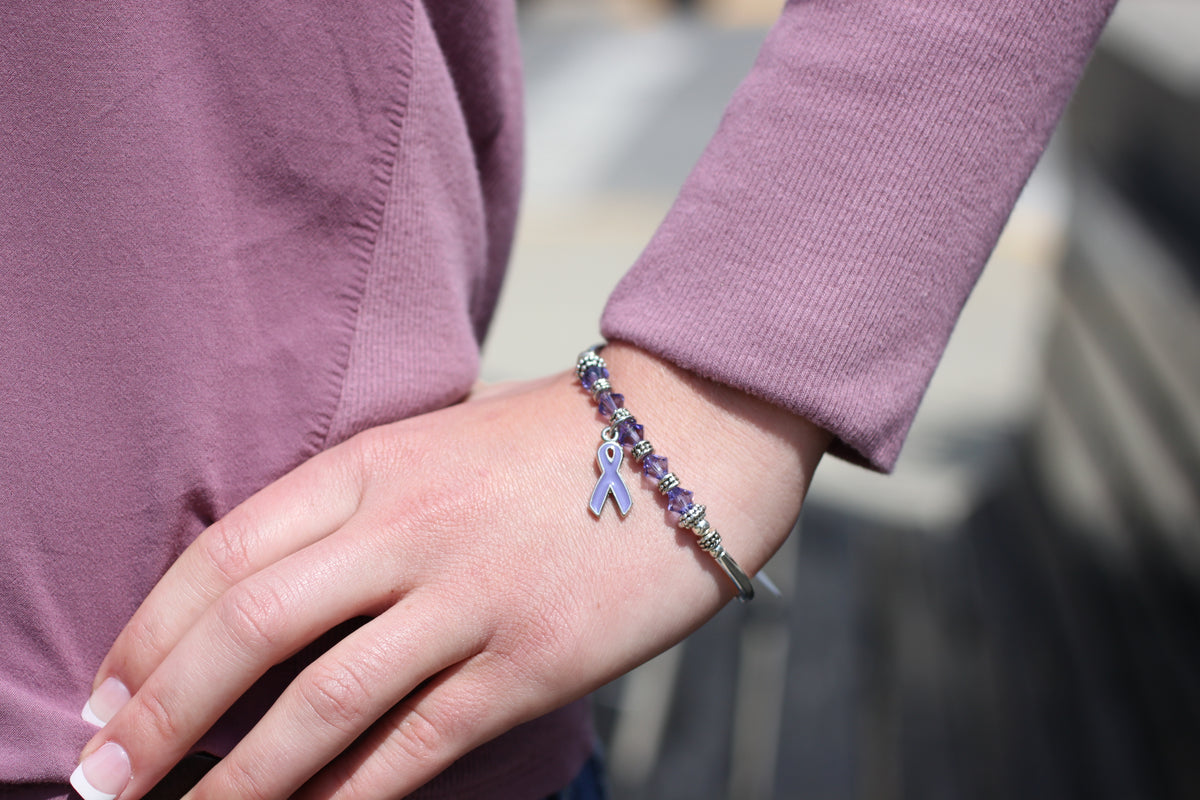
pixel 821 250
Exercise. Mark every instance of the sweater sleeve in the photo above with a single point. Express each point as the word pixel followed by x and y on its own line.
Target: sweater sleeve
pixel 822 248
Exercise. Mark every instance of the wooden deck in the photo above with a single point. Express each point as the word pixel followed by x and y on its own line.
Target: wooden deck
pixel 1008 659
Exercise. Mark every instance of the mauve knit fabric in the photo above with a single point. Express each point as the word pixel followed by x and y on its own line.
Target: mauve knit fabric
pixel 232 236
pixel 820 252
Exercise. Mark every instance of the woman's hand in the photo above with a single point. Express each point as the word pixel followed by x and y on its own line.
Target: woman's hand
pixel 495 595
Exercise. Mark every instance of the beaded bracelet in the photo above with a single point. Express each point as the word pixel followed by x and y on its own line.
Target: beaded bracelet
pixel 624 431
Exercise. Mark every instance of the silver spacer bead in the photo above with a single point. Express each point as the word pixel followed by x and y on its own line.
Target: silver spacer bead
pixel 642 449
pixel 701 527
pixel 601 385
pixel 619 416
pixel 587 358
pixel 692 516
pixel 668 482
pixel 710 542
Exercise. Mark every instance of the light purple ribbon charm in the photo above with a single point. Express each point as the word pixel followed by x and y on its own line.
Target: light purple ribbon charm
pixel 609 456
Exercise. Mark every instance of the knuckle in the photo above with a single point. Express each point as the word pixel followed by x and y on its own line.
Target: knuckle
pixel 144 636
pixel 419 739
pixel 255 615
pixel 375 450
pixel 537 640
pixel 338 694
pixel 226 548
pixel 236 779
pixel 550 624
pixel 158 716
pixel 452 514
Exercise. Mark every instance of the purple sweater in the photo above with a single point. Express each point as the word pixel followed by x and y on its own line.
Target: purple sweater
pixel 233 237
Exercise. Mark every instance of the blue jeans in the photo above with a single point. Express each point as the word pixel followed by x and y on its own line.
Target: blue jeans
pixel 589 784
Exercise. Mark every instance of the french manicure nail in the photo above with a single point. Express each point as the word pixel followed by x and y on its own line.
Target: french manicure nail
pixel 103 774
pixel 105 702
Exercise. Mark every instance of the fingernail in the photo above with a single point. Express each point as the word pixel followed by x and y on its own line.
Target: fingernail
pixel 103 774
pixel 105 702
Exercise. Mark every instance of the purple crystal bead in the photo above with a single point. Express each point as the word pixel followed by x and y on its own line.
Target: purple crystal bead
pixel 654 466
pixel 610 402
pixel 679 500
pixel 592 374
pixel 629 432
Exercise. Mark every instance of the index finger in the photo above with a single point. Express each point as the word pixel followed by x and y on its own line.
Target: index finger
pixel 300 508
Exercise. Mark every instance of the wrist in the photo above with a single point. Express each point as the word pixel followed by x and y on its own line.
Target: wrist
pixel 748 461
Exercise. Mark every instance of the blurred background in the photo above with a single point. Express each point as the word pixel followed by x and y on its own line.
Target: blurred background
pixel 1016 611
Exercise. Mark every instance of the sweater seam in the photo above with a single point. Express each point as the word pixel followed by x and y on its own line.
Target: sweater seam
pixel 365 237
